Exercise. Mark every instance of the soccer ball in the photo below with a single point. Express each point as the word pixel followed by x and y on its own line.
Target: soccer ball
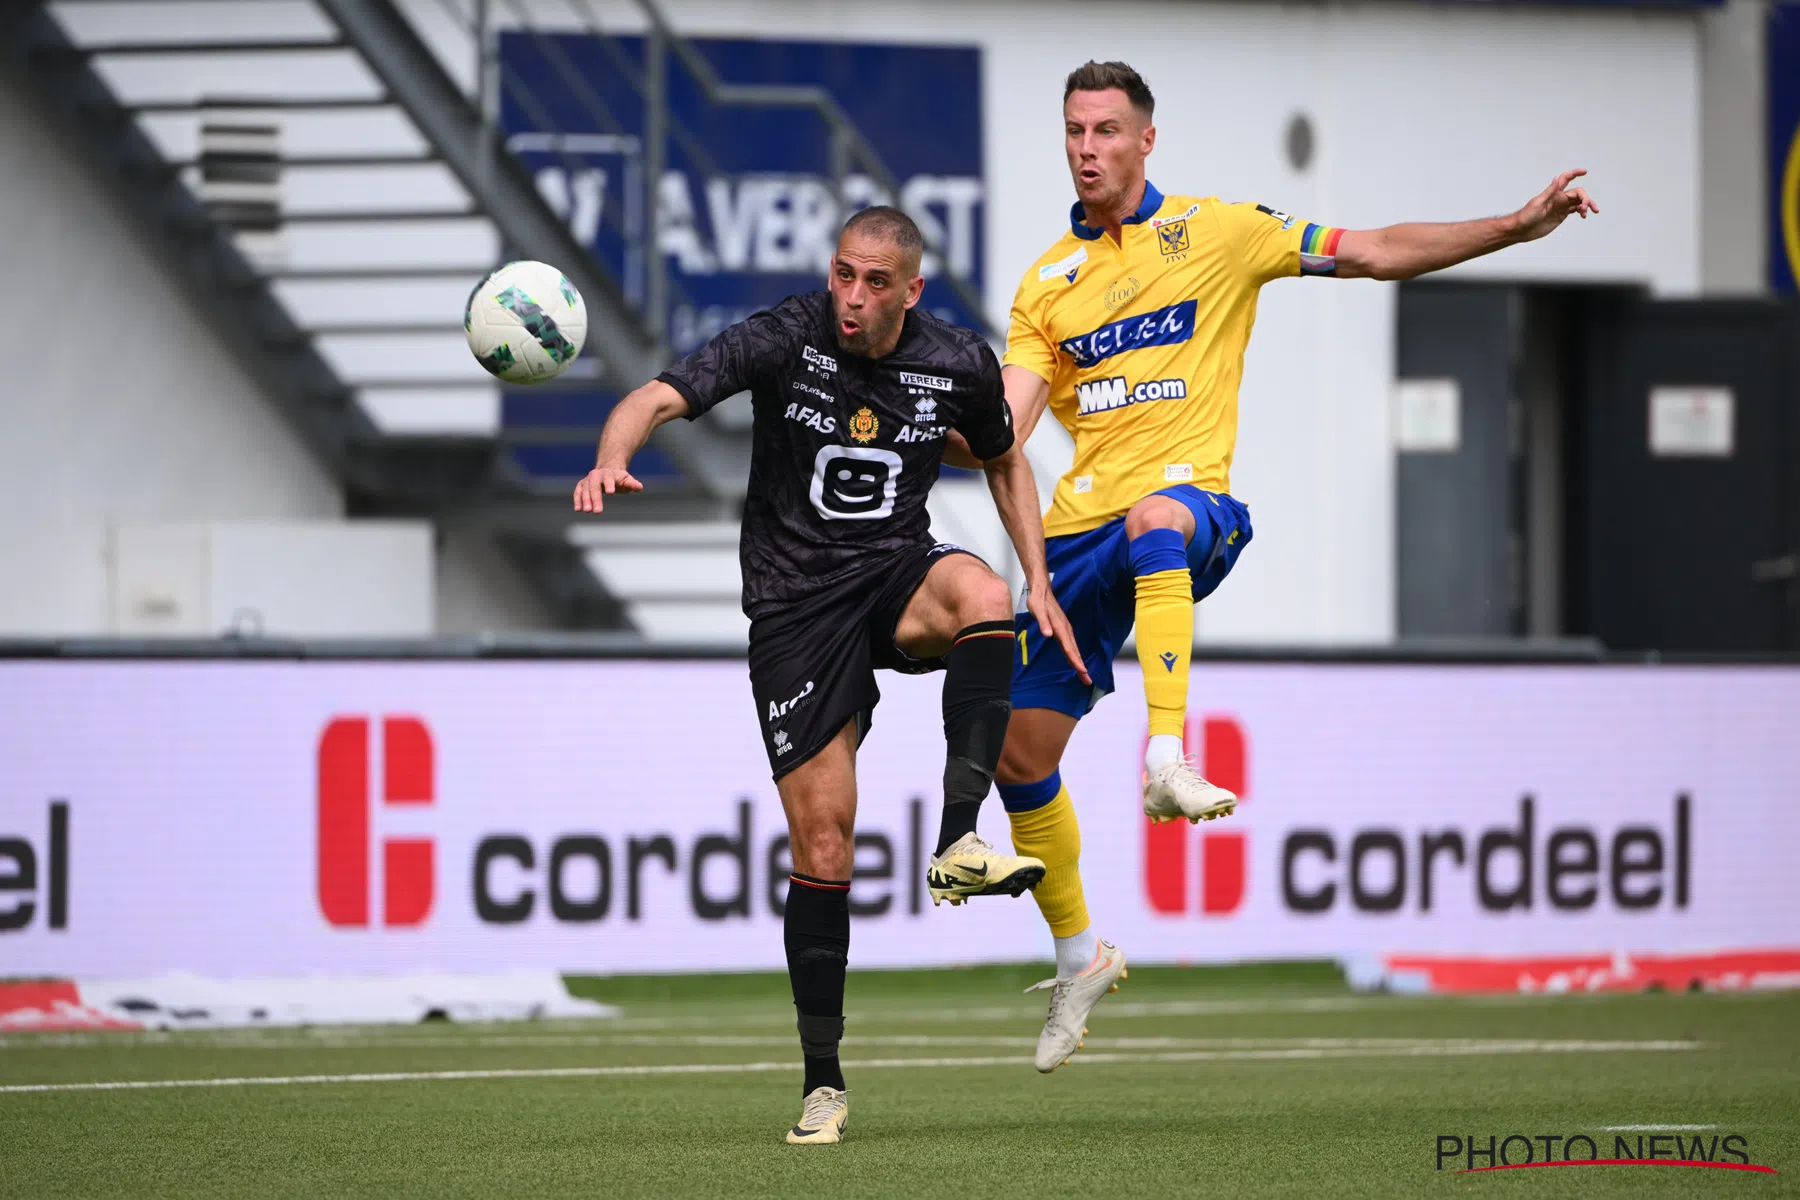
pixel 526 322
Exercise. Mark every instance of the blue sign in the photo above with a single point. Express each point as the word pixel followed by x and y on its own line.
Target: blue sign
pixel 1784 148
pixel 747 208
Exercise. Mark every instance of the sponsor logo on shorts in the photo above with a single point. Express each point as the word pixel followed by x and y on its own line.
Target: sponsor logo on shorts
pixel 823 362
pixel 1103 395
pixel 1065 267
pixel 936 383
pixel 1164 327
pixel 781 708
pixel 1178 472
pixel 864 425
pixel 782 745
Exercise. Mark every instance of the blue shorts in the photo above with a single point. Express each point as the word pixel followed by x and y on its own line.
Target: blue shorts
pixel 1091 575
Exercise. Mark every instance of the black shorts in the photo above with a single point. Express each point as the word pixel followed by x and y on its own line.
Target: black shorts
pixel 812 664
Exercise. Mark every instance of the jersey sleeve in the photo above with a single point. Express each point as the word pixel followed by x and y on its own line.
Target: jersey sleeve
pixel 986 420
pixel 1027 343
pixel 739 357
pixel 1272 244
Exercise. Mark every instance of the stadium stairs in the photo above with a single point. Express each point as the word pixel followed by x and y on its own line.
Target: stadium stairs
pixel 327 189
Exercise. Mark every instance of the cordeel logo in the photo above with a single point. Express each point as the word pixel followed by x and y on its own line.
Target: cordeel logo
pixel 1218 743
pixel 19 861
pixel 345 819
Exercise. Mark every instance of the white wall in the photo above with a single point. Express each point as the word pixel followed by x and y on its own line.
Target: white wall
pixel 1734 150
pixel 121 407
pixel 478 590
pixel 1421 112
pixel 119 403
pixel 317 579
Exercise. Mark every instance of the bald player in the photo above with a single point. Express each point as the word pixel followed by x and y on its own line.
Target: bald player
pixel 854 389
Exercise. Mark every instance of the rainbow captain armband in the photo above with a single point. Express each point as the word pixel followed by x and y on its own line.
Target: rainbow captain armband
pixel 1318 249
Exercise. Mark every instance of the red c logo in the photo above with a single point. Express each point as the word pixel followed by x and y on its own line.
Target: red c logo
pixel 406 863
pixel 1224 759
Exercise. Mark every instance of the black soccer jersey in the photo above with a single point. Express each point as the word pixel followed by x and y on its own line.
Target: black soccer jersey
pixel 844 448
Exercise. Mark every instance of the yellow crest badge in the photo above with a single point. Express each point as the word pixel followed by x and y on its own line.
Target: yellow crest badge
pixel 864 426
pixel 1173 237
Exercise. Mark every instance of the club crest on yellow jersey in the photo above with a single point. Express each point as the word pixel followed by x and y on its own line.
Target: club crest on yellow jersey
pixel 1172 234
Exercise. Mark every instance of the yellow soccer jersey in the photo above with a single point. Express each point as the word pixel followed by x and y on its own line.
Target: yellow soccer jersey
pixel 1143 343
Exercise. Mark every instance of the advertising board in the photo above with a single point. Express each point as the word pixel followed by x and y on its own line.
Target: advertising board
pixel 272 818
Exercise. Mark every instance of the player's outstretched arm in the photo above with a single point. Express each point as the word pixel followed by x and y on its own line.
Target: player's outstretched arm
pixel 628 427
pixel 1015 495
pixel 1026 393
pixel 1405 251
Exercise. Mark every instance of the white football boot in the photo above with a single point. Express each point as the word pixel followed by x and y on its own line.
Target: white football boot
pixel 1177 790
pixel 823 1119
pixel 1071 1001
pixel 972 867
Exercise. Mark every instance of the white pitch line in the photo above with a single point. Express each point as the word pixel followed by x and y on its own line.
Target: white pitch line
pixel 1192 1056
pixel 1654 1128
pixel 1034 1014
pixel 275 1040
pixel 1015 1012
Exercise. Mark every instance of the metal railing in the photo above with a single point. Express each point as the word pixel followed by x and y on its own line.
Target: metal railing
pixel 849 152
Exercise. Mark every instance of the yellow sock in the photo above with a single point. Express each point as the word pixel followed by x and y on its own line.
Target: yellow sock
pixel 1165 642
pixel 1052 834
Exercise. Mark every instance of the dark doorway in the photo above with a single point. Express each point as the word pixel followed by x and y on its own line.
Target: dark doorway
pixel 1455 462
pixel 1690 454
pixel 1623 468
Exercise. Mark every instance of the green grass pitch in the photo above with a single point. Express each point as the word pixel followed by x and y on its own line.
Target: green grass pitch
pixel 1269 1081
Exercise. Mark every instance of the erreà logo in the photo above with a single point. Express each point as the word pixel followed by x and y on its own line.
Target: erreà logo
pixel 345 818
pixel 1218 744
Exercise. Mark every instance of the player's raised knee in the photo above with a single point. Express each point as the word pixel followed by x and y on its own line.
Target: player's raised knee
pixel 983 596
pixel 1159 512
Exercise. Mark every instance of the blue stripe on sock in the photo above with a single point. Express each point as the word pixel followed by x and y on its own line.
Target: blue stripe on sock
pixel 1023 797
pixel 1158 550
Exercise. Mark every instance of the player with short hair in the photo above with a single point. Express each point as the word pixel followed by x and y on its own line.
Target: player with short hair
pixel 854 390
pixel 1132 329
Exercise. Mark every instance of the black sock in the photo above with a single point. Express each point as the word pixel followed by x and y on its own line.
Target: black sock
pixel 977 703
pixel 816 931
